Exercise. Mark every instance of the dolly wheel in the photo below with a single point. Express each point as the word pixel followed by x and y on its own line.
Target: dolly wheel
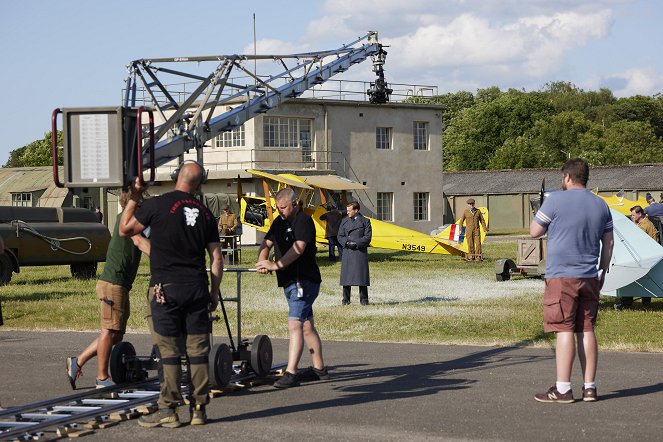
pixel 261 355
pixel 220 365
pixel 118 361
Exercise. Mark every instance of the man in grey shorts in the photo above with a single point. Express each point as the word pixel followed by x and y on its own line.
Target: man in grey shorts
pixel 579 227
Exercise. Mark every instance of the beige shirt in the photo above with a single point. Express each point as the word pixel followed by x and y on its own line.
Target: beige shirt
pixel 472 220
pixel 648 227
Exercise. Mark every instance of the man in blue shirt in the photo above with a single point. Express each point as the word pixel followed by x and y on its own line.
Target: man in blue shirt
pixel 579 227
pixel 654 208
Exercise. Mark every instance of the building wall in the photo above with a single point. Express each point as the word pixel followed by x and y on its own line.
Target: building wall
pixel 350 140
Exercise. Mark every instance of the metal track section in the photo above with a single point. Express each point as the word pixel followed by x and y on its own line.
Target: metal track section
pixel 56 418
pixel 81 413
pixel 189 116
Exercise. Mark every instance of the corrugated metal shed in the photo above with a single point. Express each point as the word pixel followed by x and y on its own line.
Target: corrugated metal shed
pixel 31 179
pixel 642 177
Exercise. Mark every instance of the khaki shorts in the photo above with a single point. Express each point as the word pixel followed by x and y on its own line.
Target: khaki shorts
pixel 570 304
pixel 114 306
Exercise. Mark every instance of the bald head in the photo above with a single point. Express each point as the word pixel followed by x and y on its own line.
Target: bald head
pixel 190 177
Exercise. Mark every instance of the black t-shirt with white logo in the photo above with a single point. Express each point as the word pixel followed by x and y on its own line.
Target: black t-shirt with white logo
pixel 180 229
pixel 284 235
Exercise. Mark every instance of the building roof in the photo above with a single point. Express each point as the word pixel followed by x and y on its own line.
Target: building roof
pixel 606 178
pixel 31 179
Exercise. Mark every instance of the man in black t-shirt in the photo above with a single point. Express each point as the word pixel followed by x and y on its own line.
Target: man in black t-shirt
pixel 292 235
pixel 181 229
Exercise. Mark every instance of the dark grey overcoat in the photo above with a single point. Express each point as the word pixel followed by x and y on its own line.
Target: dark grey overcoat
pixel 354 264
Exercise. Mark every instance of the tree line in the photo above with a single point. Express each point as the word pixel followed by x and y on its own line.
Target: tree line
pixel 514 129
pixel 493 129
pixel 37 153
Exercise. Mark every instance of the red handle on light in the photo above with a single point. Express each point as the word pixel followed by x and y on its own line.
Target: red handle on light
pixel 139 144
pixel 54 147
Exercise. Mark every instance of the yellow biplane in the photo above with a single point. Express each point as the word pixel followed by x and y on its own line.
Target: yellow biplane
pixel 314 192
pixel 621 204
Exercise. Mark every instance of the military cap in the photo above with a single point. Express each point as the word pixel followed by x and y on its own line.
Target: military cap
pixel 470 201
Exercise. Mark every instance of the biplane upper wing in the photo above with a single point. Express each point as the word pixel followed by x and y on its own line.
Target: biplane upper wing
pixel 333 182
pixel 283 179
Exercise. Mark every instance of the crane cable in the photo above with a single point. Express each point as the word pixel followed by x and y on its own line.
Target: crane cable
pixel 55 243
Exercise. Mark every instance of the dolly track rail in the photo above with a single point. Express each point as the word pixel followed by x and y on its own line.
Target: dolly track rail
pixel 64 415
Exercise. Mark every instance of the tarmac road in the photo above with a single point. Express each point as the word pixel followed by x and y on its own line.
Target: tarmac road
pixel 379 392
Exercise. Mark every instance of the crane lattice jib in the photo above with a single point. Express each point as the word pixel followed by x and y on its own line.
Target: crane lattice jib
pixel 190 122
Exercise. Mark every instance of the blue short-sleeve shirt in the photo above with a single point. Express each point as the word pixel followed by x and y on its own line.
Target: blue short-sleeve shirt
pixel 576 219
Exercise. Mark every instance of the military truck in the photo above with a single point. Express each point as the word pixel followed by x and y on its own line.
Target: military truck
pixel 38 236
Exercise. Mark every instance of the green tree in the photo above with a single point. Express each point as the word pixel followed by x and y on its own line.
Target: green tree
pixel 475 135
pixel 37 153
pixel 629 142
pixel 642 108
pixel 452 103
pixel 560 136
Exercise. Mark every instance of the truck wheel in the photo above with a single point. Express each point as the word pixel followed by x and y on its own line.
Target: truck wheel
pixel 504 276
pixel 6 269
pixel 84 270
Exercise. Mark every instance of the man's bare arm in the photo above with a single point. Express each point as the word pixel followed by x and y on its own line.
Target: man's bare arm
pixel 216 271
pixel 265 265
pixel 142 243
pixel 607 243
pixel 536 230
pixel 129 225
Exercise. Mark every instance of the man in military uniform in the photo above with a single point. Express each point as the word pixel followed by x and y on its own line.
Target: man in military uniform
pixel 638 216
pixel 228 228
pixel 472 217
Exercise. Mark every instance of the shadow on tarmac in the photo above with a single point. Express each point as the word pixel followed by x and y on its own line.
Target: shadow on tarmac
pixel 364 385
pixel 636 391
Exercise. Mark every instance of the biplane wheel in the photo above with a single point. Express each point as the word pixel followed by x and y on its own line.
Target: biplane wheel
pixel 118 365
pixel 220 365
pixel 261 355
pixel 646 301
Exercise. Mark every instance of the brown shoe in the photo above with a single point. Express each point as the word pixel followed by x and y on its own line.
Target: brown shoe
pixel 552 395
pixel 589 394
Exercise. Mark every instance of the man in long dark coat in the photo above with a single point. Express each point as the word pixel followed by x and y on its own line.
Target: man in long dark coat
pixel 355 235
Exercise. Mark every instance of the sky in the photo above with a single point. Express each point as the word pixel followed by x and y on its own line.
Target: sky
pixel 73 53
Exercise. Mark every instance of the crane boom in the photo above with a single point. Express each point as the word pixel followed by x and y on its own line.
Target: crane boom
pixel 192 123
pixel 110 147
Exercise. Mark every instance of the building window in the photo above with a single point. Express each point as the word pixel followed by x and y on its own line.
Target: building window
pixel 287 132
pixel 421 206
pixel 385 206
pixel 420 132
pixel 232 138
pixel 383 137
pixel 22 199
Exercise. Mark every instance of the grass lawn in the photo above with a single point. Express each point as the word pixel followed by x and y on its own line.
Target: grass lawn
pixel 414 298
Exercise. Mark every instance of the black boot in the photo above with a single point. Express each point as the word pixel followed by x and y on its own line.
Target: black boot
pixel 346 295
pixel 363 295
